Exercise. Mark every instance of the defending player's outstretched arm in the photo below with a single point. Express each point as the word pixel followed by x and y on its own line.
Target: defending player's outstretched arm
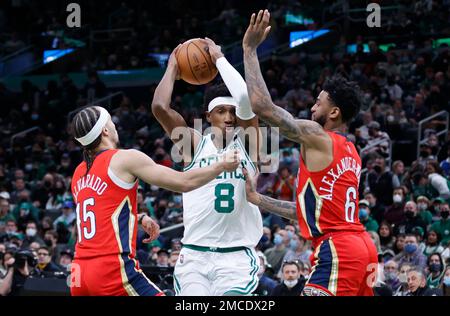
pixel 127 164
pixel 301 131
pixel 282 208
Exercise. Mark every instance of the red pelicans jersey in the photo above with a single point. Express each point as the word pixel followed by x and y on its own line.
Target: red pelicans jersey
pixel 327 200
pixel 106 211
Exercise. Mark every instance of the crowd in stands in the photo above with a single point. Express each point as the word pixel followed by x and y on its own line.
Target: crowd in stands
pixel 404 197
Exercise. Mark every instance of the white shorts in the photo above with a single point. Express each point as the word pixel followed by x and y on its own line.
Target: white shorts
pixel 212 273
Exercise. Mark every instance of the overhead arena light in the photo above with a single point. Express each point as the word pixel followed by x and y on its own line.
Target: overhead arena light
pixel 300 37
pixel 54 54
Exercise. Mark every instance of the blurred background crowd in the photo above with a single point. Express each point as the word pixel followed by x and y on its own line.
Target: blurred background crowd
pixel 405 185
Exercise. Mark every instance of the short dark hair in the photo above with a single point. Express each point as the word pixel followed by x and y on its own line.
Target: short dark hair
pixel 296 263
pixel 214 91
pixel 346 95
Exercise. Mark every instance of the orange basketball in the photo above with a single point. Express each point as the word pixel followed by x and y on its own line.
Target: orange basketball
pixel 194 62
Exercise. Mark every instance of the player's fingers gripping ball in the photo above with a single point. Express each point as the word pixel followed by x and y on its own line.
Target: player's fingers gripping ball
pixel 231 159
pixel 195 63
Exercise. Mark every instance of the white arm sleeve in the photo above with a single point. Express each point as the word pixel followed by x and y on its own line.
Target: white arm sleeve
pixel 238 88
pixel 440 184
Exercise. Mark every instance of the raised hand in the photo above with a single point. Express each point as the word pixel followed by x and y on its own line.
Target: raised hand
pixel 230 160
pixel 214 50
pixel 257 30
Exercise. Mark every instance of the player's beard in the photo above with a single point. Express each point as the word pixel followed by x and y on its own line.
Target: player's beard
pixel 321 120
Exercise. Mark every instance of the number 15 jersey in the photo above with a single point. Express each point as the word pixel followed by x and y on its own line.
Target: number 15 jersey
pixel 327 200
pixel 218 213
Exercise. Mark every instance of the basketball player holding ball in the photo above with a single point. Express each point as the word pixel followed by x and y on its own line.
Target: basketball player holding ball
pixel 221 227
pixel 104 188
pixel 345 258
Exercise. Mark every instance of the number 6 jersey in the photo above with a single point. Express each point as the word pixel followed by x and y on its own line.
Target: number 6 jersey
pixel 106 210
pixel 218 213
pixel 327 200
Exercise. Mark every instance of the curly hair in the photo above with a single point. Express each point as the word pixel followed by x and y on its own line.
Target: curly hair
pixel 214 91
pixel 346 95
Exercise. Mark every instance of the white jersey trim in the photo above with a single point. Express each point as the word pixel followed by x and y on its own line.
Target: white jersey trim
pixel 119 182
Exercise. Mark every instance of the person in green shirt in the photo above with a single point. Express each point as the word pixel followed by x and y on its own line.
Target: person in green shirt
pixel 436 267
pixel 364 216
pixel 423 205
pixel 432 244
pixel 442 226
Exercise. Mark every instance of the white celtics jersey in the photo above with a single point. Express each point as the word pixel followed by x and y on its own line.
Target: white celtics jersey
pixel 218 214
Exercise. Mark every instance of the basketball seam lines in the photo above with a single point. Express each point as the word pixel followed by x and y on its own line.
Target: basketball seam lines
pixel 189 62
pixel 206 57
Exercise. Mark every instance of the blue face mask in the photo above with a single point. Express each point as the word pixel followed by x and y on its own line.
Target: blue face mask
pixel 447 281
pixel 390 276
pixel 290 234
pixel 410 248
pixel 363 213
pixel 293 244
pixel 287 159
pixel 277 239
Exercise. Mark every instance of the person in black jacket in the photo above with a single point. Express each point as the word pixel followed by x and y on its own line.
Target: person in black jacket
pixel 293 281
pixel 412 220
pixel 417 284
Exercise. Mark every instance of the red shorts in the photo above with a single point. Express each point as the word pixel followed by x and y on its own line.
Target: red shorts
pixel 110 276
pixel 343 264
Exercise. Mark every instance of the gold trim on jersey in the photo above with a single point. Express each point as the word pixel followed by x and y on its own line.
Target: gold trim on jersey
pixel 319 203
pixel 332 285
pixel 316 260
pixel 115 221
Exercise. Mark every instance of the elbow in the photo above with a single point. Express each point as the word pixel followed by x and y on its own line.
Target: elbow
pixel 186 187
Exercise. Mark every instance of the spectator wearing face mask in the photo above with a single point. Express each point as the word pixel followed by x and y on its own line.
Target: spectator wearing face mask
pixel 293 282
pixel 399 244
pixel 365 218
pixel 436 268
pixel 391 277
pixel 411 254
pixel 376 208
pixel 387 238
pixel 411 220
pixel 423 205
pixel 276 254
pixel 24 213
pixel 442 226
pixel 445 285
pixel 394 214
pixel 298 250
pixel 403 278
pixel 31 235
pixel 432 243
pixel 417 284
pixel 65 259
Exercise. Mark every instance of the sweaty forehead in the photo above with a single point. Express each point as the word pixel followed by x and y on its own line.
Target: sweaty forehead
pixel 323 95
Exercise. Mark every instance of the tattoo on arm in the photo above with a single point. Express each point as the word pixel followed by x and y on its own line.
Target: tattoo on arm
pixel 282 208
pixel 263 106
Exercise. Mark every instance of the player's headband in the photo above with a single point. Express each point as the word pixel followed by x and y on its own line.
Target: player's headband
pixel 221 101
pixel 96 130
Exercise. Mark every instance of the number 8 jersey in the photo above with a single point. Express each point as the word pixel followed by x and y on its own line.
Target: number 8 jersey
pixel 218 213
pixel 327 200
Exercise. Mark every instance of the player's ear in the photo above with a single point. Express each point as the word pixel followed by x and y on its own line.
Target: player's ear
pixel 334 113
pixel 208 116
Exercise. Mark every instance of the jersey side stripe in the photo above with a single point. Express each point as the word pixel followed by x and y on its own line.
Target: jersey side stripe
pixel 197 152
pixel 246 154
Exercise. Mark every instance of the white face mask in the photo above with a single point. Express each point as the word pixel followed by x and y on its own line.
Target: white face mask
pixel 31 232
pixel 290 283
pixel 397 198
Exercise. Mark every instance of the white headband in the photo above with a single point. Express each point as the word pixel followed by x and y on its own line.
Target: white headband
pixel 221 101
pixel 96 130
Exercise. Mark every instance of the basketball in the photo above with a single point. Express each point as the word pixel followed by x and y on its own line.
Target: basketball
pixel 194 62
